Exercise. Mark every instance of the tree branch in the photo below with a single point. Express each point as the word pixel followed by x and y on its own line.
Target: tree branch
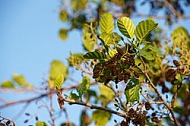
pixel 170 7
pixel 70 101
pixel 158 93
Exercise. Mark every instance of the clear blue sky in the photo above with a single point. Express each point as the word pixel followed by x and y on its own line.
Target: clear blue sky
pixel 29 42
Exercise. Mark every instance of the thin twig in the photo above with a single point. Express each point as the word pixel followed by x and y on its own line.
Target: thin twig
pixel 70 101
pixel 170 7
pixel 158 93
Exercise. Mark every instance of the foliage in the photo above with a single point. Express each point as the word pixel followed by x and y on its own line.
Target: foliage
pixel 124 66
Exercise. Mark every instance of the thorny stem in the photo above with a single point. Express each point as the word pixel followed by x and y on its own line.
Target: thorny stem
pixel 158 93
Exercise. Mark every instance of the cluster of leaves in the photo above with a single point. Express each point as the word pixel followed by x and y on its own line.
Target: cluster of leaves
pixel 125 64
pixel 82 11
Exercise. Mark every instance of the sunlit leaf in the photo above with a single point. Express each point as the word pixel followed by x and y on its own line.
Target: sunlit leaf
pixel 88 41
pixel 132 90
pixel 40 123
pixel 144 28
pixel 106 92
pixel 106 23
pixel 57 68
pixel 84 85
pixel 59 81
pixel 75 59
pixel 126 26
pixel 101 118
pixel 63 15
pixel 7 84
pixel 112 53
pixel 95 55
pixel 63 33
pixel 19 79
pixel 110 39
pixel 180 38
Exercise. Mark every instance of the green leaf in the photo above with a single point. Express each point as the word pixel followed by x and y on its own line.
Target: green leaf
pixel 84 86
pixel 88 41
pixel 180 38
pixel 74 96
pixel 19 79
pixel 153 49
pixel 106 23
pixel 63 15
pixel 57 68
pixel 132 90
pixel 101 118
pixel 144 28
pixel 75 59
pixel 110 39
pixel 7 84
pixel 126 26
pixel 63 33
pixel 146 54
pixel 95 55
pixel 59 81
pixel 40 123
pixel 106 92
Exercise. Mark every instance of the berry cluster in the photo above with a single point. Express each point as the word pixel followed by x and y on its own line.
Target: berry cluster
pixel 116 69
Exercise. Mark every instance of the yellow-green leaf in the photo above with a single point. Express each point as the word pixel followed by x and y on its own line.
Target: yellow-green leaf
pixel 84 85
pixel 101 118
pixel 59 81
pixel 106 92
pixel 7 84
pixel 132 90
pixel 41 123
pixel 63 15
pixel 75 59
pixel 110 39
pixel 57 68
pixel 19 79
pixel 144 28
pixel 106 23
pixel 180 38
pixel 63 33
pixel 126 26
pixel 88 41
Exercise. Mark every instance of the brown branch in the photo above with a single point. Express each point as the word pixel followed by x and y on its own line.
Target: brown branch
pixel 66 100
pixel 70 101
pixel 170 7
pixel 158 93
